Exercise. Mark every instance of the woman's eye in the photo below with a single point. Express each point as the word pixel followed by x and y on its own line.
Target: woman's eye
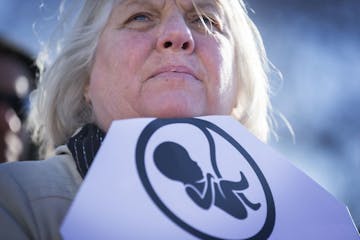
pixel 140 21
pixel 140 17
pixel 206 21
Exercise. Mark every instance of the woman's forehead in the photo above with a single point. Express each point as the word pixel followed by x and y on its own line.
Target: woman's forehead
pixel 186 4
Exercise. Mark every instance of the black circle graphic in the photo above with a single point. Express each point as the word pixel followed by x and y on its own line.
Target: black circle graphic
pixel 144 137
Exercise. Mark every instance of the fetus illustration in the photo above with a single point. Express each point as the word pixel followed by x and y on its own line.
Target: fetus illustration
pixel 205 190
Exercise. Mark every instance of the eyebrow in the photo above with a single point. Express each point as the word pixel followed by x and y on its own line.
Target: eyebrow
pixel 213 6
pixel 202 4
pixel 206 4
pixel 129 3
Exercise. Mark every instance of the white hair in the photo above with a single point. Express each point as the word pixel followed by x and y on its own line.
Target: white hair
pixel 253 106
pixel 59 106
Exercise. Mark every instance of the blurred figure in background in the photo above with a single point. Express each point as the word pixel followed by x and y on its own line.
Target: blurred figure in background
pixel 17 79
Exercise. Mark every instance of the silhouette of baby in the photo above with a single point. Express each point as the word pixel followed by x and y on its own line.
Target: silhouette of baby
pixel 175 163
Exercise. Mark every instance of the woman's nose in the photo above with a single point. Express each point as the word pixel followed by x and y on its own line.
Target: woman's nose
pixel 175 35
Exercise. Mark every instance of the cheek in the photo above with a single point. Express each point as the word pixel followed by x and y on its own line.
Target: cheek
pixel 116 75
pixel 228 86
pixel 219 64
pixel 123 52
pixel 117 66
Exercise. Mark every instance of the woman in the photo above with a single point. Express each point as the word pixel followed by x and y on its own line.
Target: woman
pixel 130 59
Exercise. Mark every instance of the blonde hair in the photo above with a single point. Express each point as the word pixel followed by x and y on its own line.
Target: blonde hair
pixel 253 104
pixel 59 107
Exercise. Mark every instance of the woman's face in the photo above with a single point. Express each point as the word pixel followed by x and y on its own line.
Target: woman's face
pixel 155 58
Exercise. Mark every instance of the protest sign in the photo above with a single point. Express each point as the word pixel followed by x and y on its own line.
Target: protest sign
pixel 199 178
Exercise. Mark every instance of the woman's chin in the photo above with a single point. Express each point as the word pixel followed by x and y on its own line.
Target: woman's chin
pixel 174 106
pixel 175 111
pixel 176 115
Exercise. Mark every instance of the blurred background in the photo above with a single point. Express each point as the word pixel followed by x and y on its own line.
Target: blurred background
pixel 316 46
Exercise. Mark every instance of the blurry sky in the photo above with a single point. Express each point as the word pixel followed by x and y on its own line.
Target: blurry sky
pixel 316 46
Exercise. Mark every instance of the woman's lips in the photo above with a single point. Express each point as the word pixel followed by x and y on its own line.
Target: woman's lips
pixel 174 72
pixel 174 76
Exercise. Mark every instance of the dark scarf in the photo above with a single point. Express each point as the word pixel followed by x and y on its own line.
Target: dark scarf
pixel 84 146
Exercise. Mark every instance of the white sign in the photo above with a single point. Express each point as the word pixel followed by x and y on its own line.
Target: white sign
pixel 199 178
